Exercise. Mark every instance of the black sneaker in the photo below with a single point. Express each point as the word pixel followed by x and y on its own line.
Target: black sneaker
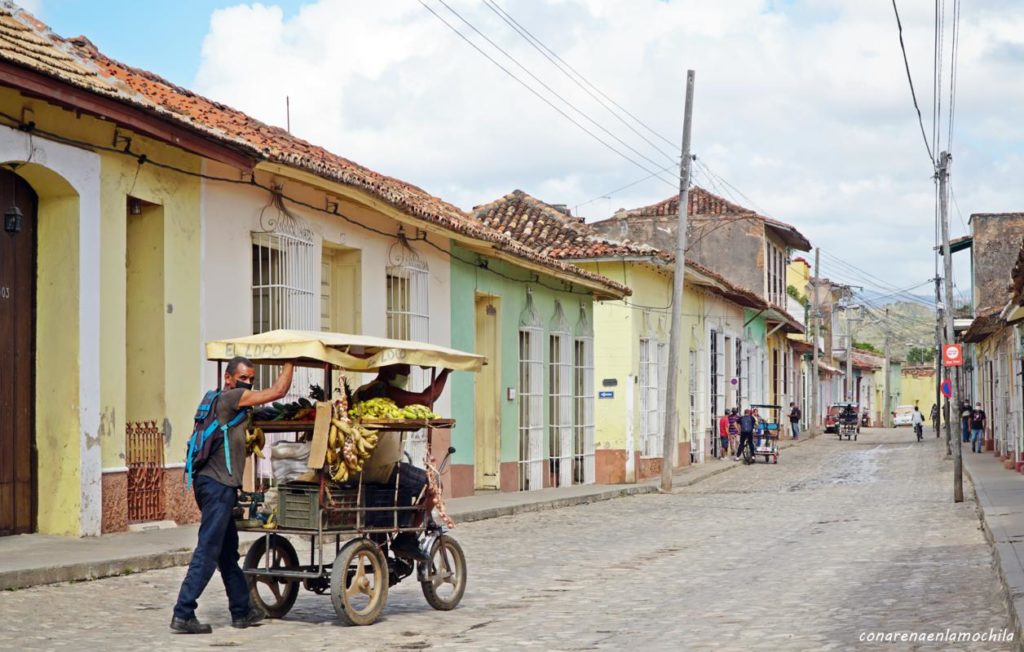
pixel 406 546
pixel 254 616
pixel 189 626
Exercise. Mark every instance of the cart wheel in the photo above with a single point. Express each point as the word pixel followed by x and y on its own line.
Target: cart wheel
pixel 275 597
pixel 447 581
pixel 359 582
pixel 855 438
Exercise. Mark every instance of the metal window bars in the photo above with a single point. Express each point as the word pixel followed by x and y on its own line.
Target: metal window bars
pixel 531 408
pixel 407 295
pixel 584 462
pixel 285 290
pixel 560 401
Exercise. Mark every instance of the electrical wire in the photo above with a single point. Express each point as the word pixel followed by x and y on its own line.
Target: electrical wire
pixel 540 96
pixel 577 73
pixel 555 60
pixel 910 80
pixel 608 194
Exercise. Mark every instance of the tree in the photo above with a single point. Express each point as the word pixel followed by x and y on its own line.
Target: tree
pixel 921 355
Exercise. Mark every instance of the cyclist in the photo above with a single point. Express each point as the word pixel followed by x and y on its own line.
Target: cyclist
pixel 747 424
pixel 917 420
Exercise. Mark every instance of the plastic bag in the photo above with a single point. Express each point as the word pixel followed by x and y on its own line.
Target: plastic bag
pixel 289 460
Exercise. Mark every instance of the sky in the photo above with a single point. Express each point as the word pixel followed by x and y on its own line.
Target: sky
pixel 802 108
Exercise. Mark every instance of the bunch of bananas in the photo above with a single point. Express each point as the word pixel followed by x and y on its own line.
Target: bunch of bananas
pixel 418 413
pixel 377 408
pixel 255 440
pixel 348 446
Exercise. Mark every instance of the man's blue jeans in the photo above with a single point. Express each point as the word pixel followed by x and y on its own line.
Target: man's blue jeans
pixel 217 549
pixel 977 439
pixel 795 425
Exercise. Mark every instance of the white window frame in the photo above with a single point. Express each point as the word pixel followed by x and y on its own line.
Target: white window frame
pixel 560 401
pixel 584 426
pixel 652 392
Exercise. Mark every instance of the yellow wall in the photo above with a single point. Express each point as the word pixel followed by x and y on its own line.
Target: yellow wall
pixel 618 327
pixel 177 200
pixel 915 390
pixel 61 436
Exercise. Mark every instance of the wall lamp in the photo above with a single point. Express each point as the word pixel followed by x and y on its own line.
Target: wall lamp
pixel 13 219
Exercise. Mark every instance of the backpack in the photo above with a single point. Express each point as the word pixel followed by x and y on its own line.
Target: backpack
pixel 202 441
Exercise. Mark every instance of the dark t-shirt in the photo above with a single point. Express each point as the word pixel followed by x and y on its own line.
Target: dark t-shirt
pixel 794 414
pixel 977 419
pixel 747 424
pixel 216 467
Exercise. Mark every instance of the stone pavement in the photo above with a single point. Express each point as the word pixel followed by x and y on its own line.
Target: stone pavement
pixel 1000 494
pixel 839 542
pixel 34 559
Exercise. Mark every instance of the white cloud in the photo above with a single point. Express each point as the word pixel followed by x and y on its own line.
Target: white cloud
pixel 802 105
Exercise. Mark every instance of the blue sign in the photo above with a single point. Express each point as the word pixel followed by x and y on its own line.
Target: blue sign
pixel 606 395
pixel 947 388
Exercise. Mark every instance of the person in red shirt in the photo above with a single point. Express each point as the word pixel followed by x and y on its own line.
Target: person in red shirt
pixel 723 435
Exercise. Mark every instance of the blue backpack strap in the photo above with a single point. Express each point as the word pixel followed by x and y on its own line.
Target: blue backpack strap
pixel 235 420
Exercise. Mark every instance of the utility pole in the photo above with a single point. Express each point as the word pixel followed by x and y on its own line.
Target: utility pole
pixel 669 446
pixel 887 415
pixel 947 263
pixel 815 373
pixel 943 406
pixel 849 356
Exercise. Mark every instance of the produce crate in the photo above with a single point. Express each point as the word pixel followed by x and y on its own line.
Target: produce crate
pixel 299 507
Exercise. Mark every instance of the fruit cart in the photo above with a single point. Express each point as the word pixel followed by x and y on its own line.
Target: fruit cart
pixel 356 497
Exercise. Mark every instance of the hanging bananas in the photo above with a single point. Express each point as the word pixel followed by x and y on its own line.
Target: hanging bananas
pixel 255 440
pixel 349 445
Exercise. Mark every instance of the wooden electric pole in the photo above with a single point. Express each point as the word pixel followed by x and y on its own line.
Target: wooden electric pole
pixel 887 416
pixel 815 373
pixel 669 437
pixel 942 170
pixel 943 406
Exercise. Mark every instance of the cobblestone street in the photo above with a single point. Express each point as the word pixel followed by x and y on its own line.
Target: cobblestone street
pixel 838 539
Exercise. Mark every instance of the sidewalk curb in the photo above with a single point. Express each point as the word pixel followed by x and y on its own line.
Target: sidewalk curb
pixel 998 552
pixel 556 503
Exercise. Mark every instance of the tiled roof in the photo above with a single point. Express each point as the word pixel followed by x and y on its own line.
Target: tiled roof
pixel 554 233
pixel 558 234
pixel 26 42
pixel 703 203
pixel 985 324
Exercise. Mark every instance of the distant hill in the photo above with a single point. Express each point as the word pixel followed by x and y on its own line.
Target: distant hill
pixel 912 324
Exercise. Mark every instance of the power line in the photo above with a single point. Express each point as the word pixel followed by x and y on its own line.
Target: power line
pixel 954 57
pixel 557 62
pixel 553 91
pixel 617 190
pixel 576 72
pixel 541 97
pixel 910 80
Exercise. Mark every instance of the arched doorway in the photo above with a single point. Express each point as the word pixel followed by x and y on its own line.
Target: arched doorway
pixel 17 355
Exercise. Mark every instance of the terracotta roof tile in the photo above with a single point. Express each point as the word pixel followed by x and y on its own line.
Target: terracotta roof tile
pixel 27 42
pixel 558 234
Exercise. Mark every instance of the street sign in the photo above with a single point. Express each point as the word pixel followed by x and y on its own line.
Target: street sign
pixel 606 395
pixel 952 355
pixel 947 388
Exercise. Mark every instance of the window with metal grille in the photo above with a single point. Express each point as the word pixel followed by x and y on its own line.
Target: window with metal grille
pixel 531 408
pixel 560 398
pixel 284 288
pixel 407 296
pixel 741 375
pixel 584 469
pixel 716 366
pixel 692 389
pixel 652 418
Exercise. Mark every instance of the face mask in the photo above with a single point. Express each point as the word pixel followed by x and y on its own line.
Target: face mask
pixel 240 385
pixel 399 381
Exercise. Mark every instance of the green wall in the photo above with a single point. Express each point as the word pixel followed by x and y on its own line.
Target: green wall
pixel 467 281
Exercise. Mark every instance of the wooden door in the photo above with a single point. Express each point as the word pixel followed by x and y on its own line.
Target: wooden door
pixel 488 396
pixel 17 359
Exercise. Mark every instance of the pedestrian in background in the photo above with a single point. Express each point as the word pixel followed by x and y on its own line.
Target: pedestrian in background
pixel 794 419
pixel 935 419
pixel 734 431
pixel 977 428
pixel 723 435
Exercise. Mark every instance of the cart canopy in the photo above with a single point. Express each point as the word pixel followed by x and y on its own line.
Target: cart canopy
pixel 349 352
